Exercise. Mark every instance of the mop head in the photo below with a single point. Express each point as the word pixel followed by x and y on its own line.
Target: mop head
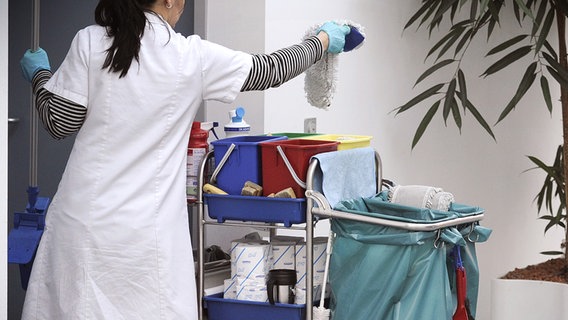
pixel 321 78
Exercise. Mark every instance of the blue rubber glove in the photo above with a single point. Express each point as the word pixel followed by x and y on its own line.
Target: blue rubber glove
pixel 32 62
pixel 336 34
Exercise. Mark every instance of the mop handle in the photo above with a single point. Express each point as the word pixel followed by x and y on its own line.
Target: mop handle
pixel 33 113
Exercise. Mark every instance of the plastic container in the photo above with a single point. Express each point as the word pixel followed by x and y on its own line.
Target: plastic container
pixel 223 309
pixel 275 173
pixel 243 163
pixel 260 209
pixel 346 141
pixel 237 126
pixel 294 135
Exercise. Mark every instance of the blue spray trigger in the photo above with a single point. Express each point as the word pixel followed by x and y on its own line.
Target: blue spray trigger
pixel 353 39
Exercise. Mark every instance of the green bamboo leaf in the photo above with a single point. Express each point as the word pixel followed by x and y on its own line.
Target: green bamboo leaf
pixel 425 122
pixel 517 12
pixel 556 65
pixel 456 113
pixel 541 165
pixel 443 9
pixel 462 24
pixel 552 253
pixel 526 82
pixel 438 44
pixel 546 92
pixel 507 60
pixel 561 80
pixel 551 50
pixel 492 24
pixel 424 95
pixel 448 100
pixel 463 88
pixel 450 43
pixel 477 115
pixel 506 44
pixel 428 14
pixel 545 30
pixel 523 7
pixel 419 13
pixel 455 6
pixel 450 37
pixel 473 10
pixel 466 36
pixel 494 8
pixel 539 15
pixel 484 4
pixel 437 19
pixel 540 197
pixel 433 68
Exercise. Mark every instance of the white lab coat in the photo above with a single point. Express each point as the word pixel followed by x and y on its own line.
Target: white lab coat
pixel 116 243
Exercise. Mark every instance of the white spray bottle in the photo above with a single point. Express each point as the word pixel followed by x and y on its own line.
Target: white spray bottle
pixel 237 126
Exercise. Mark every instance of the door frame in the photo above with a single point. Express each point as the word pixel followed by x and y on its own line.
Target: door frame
pixel 4 156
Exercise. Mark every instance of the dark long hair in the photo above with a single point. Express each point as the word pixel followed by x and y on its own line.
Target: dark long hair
pixel 124 21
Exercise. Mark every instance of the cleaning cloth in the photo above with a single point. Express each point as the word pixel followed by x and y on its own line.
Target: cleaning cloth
pixel 321 78
pixel 346 174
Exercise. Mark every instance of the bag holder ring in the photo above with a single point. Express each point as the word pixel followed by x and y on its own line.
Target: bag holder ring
pixel 471 230
pixel 438 242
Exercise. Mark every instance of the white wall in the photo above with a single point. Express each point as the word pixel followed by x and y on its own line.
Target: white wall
pixel 379 77
pixel 242 29
pixel 3 155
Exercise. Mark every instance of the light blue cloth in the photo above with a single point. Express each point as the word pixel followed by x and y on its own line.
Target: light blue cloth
pixel 346 174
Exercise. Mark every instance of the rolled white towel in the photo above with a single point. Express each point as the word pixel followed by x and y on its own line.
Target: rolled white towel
pixel 421 196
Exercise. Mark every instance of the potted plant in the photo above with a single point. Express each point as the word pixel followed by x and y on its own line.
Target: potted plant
pixel 467 20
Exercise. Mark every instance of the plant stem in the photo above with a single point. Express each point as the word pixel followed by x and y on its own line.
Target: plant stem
pixel 561 24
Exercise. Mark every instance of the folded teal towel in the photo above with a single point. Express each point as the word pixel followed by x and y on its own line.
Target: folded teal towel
pixel 346 174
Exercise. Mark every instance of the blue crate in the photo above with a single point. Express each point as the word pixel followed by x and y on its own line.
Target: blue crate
pixel 244 162
pixel 261 209
pixel 225 309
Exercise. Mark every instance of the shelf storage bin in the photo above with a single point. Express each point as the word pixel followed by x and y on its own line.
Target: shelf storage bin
pixel 276 174
pixel 259 209
pixel 243 163
pixel 346 141
pixel 223 309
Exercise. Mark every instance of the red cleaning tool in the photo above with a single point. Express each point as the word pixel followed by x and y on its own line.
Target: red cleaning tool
pixel 461 288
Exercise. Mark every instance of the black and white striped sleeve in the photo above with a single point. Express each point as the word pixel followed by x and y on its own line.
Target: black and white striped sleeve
pixel 60 117
pixel 272 70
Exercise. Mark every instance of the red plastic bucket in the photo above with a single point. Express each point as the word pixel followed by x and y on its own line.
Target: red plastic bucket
pixel 275 173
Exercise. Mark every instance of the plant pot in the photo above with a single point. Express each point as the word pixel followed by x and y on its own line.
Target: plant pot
pixel 528 299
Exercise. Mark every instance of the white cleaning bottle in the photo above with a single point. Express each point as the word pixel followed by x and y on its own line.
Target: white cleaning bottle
pixel 237 126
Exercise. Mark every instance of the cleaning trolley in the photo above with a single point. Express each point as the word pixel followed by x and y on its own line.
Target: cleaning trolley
pixel 382 260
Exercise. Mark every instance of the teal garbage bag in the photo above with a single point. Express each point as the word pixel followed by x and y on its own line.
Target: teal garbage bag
pixel 380 272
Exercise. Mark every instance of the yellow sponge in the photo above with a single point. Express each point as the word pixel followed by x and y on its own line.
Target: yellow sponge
pixel 209 188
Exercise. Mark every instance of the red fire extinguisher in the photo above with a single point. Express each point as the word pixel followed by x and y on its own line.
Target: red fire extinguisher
pixel 196 151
